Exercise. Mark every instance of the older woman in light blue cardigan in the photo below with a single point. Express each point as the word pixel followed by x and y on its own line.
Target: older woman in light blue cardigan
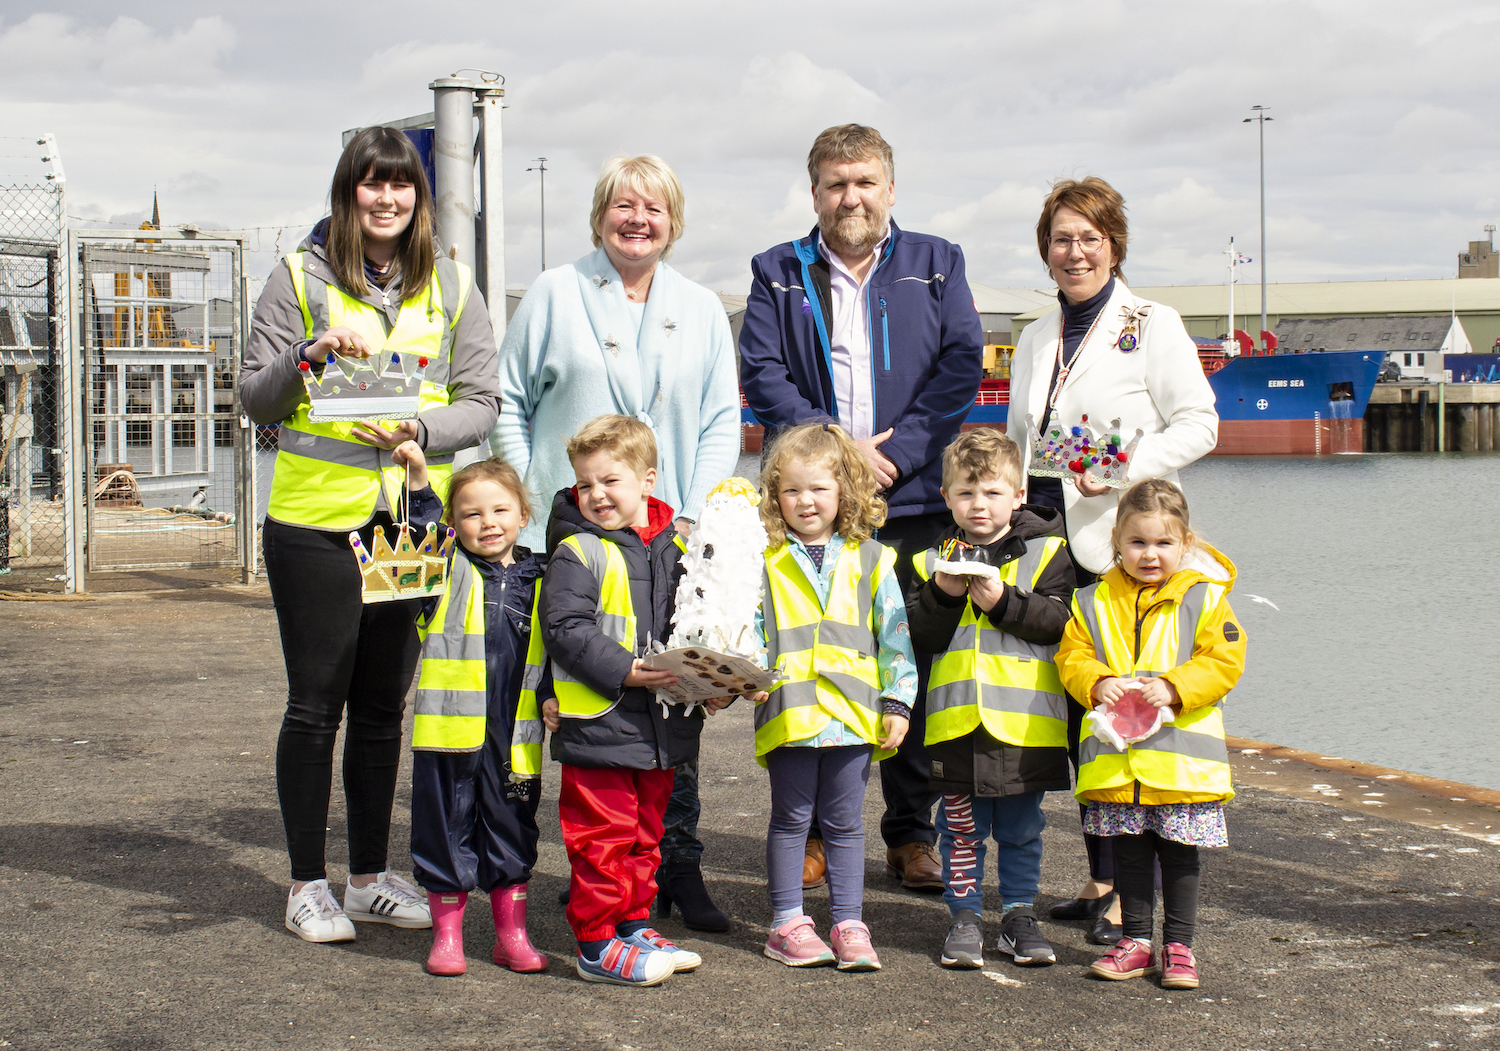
pixel 620 331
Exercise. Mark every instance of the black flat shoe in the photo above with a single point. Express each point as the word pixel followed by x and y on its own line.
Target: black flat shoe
pixel 1105 933
pixel 1082 908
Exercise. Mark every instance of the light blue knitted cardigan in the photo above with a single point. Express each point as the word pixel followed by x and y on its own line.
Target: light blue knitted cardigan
pixel 572 352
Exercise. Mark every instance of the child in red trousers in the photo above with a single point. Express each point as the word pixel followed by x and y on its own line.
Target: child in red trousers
pixel 610 587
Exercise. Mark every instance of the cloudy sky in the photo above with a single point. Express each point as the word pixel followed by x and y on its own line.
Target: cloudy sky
pixel 1382 161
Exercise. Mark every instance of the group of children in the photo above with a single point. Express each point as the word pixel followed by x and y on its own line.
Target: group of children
pixel 510 648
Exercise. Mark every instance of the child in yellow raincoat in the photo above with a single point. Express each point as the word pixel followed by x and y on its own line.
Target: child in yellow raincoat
pixel 1158 620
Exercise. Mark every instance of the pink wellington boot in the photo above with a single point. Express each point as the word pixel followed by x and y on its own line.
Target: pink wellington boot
pixel 447 956
pixel 513 948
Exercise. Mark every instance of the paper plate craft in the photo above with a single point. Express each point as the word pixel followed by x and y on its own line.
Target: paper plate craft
pixel 1130 719
pixel 407 570
pixel 385 386
pixel 1068 451
pixel 713 647
pixel 960 559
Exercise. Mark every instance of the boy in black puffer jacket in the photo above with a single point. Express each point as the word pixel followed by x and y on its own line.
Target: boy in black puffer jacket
pixel 996 711
pixel 610 586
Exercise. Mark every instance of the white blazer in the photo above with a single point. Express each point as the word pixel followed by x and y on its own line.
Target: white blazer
pixel 1159 387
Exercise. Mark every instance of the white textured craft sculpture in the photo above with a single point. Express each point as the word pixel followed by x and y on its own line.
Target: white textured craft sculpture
pixel 723 564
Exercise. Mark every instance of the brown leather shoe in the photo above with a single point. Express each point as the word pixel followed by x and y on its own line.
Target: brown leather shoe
pixel 814 865
pixel 916 865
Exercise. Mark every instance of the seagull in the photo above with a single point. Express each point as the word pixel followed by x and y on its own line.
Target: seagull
pixel 201 497
pixel 1263 601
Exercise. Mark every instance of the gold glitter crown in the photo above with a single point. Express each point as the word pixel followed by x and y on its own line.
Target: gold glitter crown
pixel 407 570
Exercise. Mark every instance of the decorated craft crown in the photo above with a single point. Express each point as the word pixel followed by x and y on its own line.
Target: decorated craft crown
pixel 1068 451
pixel 384 386
pixel 407 570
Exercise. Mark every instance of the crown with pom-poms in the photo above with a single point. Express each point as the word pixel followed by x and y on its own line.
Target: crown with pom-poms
pixel 384 386
pixel 1068 451
pixel 408 570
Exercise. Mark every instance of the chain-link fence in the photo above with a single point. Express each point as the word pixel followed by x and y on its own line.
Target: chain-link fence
pixel 161 346
pixel 34 517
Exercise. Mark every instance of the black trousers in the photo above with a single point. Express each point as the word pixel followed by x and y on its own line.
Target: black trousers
pixel 905 778
pixel 341 657
pixel 1135 881
pixel 1100 848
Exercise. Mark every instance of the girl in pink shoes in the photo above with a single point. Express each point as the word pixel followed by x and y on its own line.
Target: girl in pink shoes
pixel 1156 630
pixel 477 734
pixel 833 620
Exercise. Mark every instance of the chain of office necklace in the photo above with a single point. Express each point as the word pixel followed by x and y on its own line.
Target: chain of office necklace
pixel 1062 369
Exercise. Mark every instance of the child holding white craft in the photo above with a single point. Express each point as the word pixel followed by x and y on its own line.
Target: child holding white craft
pixel 477 732
pixel 1157 621
pixel 834 621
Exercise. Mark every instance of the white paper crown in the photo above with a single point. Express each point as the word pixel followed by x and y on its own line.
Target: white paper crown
pixel 1069 451
pixel 385 386
pixel 407 570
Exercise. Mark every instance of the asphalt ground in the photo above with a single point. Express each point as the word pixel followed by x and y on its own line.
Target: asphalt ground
pixel 143 881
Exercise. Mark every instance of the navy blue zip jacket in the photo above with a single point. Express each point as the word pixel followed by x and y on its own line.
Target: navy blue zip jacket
pixel 927 352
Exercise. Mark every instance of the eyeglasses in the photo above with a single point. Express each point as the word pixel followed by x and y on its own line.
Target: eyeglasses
pixel 1090 243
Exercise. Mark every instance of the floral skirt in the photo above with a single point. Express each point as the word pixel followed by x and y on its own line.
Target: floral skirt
pixel 1196 824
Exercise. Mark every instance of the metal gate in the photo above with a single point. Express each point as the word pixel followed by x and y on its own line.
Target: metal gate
pixel 165 446
pixel 35 519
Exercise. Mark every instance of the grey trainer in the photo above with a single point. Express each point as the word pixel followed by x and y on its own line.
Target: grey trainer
pixel 964 947
pixel 1021 938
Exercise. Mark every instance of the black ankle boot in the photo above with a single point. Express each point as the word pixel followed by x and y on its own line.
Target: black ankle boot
pixel 680 880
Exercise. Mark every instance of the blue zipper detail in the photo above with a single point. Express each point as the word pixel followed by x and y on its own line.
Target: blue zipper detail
pixel 806 254
pixel 885 335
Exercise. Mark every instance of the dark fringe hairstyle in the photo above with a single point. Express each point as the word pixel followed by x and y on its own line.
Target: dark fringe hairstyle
pixel 380 153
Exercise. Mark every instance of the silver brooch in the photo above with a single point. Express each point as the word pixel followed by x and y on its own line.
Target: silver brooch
pixel 611 346
pixel 669 325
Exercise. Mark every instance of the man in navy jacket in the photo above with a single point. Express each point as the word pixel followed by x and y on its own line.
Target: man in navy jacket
pixel 870 326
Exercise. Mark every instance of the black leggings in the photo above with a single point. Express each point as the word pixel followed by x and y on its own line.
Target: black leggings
pixel 1135 881
pixel 340 654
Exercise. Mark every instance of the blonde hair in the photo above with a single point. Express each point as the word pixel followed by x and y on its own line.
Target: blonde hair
pixel 982 453
pixel 1099 203
pixel 1154 498
pixel 625 438
pixel 845 143
pixel 647 175
pixel 493 470
pixel 861 510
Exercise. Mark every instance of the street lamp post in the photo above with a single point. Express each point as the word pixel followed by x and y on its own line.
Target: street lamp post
pixel 1261 118
pixel 541 166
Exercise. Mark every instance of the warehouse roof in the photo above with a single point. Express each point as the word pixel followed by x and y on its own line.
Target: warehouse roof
pixel 1359 298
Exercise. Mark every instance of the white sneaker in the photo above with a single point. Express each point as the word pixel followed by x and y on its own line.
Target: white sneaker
pixel 390 899
pixel 314 915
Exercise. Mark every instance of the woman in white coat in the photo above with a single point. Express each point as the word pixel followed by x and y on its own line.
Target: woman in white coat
pixel 1105 354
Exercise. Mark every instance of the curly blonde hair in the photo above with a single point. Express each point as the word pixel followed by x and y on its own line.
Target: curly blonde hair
pixel 861 511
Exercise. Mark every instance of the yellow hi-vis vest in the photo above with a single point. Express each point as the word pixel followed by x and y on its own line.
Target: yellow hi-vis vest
pixel 614 615
pixel 325 478
pixel 452 687
pixel 1186 755
pixel 827 654
pixel 990 677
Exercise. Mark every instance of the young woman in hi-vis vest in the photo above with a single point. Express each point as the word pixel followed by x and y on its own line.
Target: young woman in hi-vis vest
pixel 368 278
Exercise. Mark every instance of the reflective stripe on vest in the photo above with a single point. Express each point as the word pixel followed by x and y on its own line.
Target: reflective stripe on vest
pixel 1186 755
pixel 614 614
pixel 325 478
pixel 452 684
pixel 991 677
pixel 827 654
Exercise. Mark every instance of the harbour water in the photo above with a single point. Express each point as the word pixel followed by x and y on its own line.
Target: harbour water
pixel 1386 569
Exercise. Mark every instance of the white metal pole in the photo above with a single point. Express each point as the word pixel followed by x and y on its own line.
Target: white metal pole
pixel 453 164
pixel 489 102
pixel 1262 339
pixel 1233 259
